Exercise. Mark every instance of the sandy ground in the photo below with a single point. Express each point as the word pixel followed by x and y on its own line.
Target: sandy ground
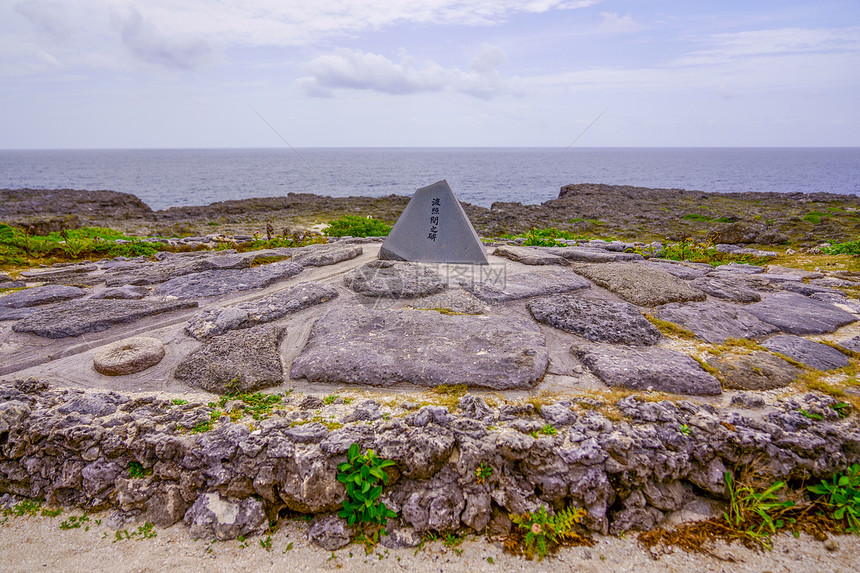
pixel 30 544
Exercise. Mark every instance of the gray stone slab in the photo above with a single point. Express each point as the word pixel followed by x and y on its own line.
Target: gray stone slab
pixel 217 321
pixel 381 348
pixel 741 268
pixel 36 296
pixel 851 305
pixel 7 314
pixel 59 274
pixel 714 322
pixel 589 254
pixel 434 228
pixel 528 256
pixel 128 356
pixel 780 270
pixel 214 283
pixel 82 316
pixel 324 255
pixel 641 285
pixel 809 289
pixel 394 279
pixel 596 320
pixel 453 300
pixel 239 361
pixel 174 266
pixel 852 344
pixel 812 354
pixel 676 269
pixel 10 284
pixel 797 314
pixel 726 288
pixel 755 371
pixel 502 288
pixel 639 368
pixel 126 292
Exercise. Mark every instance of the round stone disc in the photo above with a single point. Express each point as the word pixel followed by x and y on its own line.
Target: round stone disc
pixel 128 356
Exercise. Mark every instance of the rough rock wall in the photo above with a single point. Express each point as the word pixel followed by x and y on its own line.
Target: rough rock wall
pixel 75 448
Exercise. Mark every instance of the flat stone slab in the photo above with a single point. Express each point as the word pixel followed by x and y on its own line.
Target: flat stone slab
pixel 852 344
pixel 502 288
pixel 175 265
pixel 248 314
pixel 83 316
pixel 797 314
pixel 239 361
pixel 215 283
pixel 714 322
pixel 386 347
pixel 324 255
pixel 639 368
pixel 727 289
pixel 589 254
pixel 529 256
pixel 394 279
pixel 452 300
pixel 36 296
pixel 128 356
pixel 126 292
pixel 812 354
pixel 641 285
pixel 755 371
pixel 676 269
pixel 596 320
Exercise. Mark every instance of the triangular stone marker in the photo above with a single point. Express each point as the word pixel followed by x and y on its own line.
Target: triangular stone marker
pixel 434 228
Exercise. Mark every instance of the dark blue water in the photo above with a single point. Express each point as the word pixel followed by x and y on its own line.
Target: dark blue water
pixel 168 177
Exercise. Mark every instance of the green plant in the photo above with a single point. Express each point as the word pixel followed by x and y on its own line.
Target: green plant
pixel 145 531
pixel 756 515
pixel 548 430
pixel 684 429
pixel 846 248
pixel 814 217
pixel 258 405
pixel 811 415
pixel 355 226
pixel 841 408
pixel 361 475
pixel 482 472
pixel 330 399
pixel 696 217
pixel 843 497
pixel 24 507
pixel 179 402
pixel 136 470
pixel 541 533
pixel 75 522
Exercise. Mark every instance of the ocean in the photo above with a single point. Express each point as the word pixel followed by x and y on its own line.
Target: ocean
pixel 175 177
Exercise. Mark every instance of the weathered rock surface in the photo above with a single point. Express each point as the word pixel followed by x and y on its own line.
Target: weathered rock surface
pixel 852 344
pixel 128 356
pixel 755 371
pixel 40 295
pixel 499 287
pixel 640 368
pixel 714 322
pixel 528 256
pixel 214 516
pixel 323 255
pixel 812 354
pixel 174 265
pixel 83 316
pixel 797 314
pixel 385 347
pixel 247 314
pixel 395 279
pixel 600 321
pixel 329 532
pixel 589 254
pixel 453 300
pixel 681 271
pixel 240 361
pixel 126 292
pixel 641 285
pixel 220 282
pixel 726 288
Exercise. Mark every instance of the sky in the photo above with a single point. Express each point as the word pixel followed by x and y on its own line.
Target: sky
pixel 428 73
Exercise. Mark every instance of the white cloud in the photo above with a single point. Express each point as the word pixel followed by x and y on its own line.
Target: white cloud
pixel 147 43
pixel 613 23
pixel 352 69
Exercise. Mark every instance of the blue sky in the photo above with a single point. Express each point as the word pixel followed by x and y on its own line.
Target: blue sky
pixel 379 73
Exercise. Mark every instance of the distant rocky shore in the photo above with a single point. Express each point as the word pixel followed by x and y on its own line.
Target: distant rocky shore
pixel 590 209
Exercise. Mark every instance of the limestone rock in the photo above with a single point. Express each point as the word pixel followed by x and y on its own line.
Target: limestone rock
pixel 128 356
pixel 755 371
pixel 239 361
pixel 212 515
pixel 641 285
pixel 83 316
pixel 247 314
pixel 639 368
pixel 453 300
pixel 323 255
pixel 528 256
pixel 797 314
pixel 812 354
pixel 174 265
pixel 596 320
pixel 589 254
pixel 40 295
pixel 220 282
pixel 329 532
pixel 726 288
pixel 126 292
pixel 385 347
pixel 499 288
pixel 675 269
pixel 714 322
pixel 394 279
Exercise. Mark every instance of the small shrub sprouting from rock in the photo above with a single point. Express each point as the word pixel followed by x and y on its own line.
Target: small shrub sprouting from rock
pixel 842 497
pixel 361 475
pixel 756 515
pixel 482 472
pixel 136 470
pixel 355 226
pixel 539 533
